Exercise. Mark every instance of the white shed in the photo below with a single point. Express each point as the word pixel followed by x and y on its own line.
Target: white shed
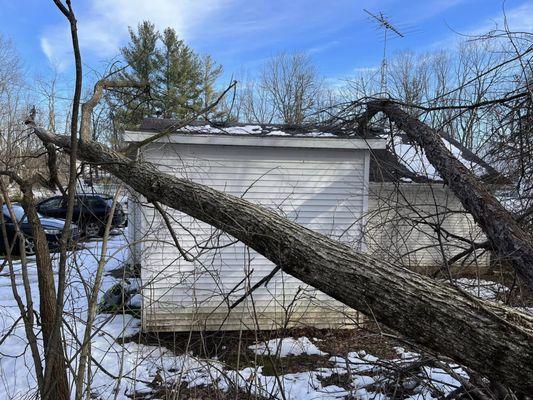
pixel 377 194
pixel 413 219
pixel 314 178
pixel 401 222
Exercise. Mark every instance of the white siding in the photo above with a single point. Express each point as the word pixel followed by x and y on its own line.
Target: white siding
pixel 394 228
pixel 322 189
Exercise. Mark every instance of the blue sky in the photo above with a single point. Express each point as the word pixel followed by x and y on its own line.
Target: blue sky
pixel 241 34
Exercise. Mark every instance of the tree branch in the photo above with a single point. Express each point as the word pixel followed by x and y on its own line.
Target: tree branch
pixel 88 107
pixel 133 147
pixel 504 233
pixel 262 281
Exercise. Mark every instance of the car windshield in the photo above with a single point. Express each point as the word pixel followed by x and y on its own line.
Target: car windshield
pixel 108 201
pixel 19 213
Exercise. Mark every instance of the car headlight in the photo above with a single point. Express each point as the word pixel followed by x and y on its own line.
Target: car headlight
pixel 52 231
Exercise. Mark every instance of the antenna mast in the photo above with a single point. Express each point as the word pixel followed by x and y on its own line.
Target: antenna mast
pixel 384 23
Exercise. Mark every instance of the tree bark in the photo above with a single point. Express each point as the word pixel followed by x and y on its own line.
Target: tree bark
pixel 506 236
pixel 492 339
pixel 55 337
pixel 98 91
pixel 55 366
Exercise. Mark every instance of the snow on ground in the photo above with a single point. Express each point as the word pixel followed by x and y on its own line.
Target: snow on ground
pixel 367 377
pixel 17 379
pixel 486 290
pixel 300 385
pixel 287 347
pixel 367 371
pixel 140 364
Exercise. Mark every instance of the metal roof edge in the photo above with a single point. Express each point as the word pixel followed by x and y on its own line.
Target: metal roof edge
pixel 301 141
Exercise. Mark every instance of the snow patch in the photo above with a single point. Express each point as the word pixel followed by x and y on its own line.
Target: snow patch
pixel 287 347
pixel 250 130
pixel 485 290
pixel 414 158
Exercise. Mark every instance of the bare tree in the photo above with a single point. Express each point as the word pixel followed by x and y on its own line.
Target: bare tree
pixel 256 104
pixel 292 85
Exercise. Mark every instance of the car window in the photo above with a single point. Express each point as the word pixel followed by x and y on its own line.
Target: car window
pixel 19 212
pixel 92 201
pixel 5 211
pixel 51 204
pixel 64 203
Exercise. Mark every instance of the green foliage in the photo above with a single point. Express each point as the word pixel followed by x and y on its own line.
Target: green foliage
pixel 181 83
pixel 141 56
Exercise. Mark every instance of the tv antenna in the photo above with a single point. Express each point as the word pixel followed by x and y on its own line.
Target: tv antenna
pixel 387 26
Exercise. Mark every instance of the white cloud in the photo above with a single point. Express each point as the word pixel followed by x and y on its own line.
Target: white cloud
pixel 103 25
pixel 324 47
pixel 47 48
pixel 518 18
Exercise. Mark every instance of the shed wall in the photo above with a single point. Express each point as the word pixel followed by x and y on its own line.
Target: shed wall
pixel 323 189
pixel 395 228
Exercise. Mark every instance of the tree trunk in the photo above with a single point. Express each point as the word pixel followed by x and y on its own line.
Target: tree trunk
pixel 504 233
pixel 492 339
pixel 57 387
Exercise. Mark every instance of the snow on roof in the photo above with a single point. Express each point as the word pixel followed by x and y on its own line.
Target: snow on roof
pixel 251 130
pixel 199 127
pixel 402 161
pixel 412 158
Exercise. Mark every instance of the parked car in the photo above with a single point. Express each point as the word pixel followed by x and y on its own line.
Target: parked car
pixel 52 228
pixel 91 212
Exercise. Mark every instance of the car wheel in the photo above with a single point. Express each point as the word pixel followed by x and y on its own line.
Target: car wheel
pixel 29 246
pixel 92 229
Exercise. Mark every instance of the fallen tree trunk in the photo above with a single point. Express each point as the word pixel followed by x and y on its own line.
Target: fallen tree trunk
pixel 494 340
pixel 505 234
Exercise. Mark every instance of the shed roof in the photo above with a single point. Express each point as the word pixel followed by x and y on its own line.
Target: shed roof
pixel 260 130
pixel 268 135
pixel 394 158
pixel 404 161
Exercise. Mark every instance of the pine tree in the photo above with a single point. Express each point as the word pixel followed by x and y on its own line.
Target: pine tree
pixel 210 72
pixel 179 77
pixel 141 56
pixel 181 83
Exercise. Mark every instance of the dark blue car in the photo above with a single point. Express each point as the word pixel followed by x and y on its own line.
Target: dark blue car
pixel 91 212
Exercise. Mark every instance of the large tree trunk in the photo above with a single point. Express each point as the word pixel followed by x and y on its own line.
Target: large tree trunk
pixel 58 387
pixel 504 233
pixel 492 339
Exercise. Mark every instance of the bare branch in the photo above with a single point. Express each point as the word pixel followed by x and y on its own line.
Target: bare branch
pixel 262 281
pixel 133 147
pixel 88 106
